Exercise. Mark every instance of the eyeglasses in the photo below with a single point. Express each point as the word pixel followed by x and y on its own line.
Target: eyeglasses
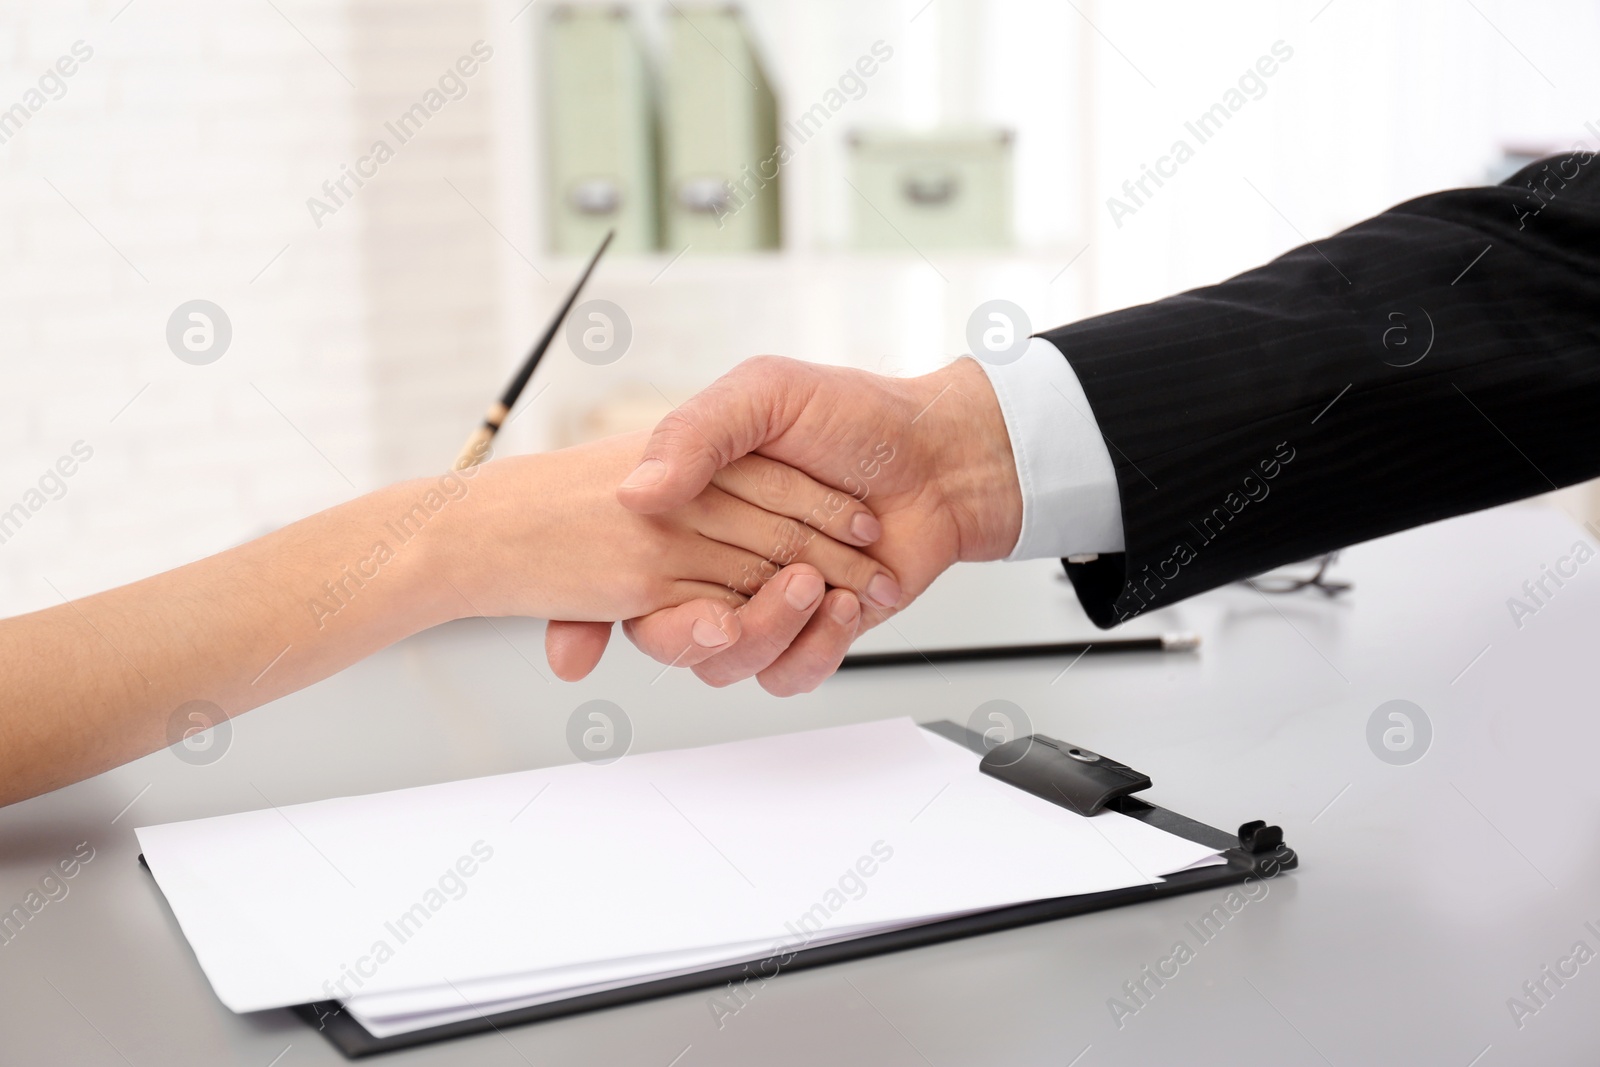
pixel 1289 583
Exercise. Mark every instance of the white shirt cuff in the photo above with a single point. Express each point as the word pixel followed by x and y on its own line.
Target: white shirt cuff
pixel 1070 503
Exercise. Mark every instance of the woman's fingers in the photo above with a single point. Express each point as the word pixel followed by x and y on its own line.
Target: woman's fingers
pixel 782 490
pixel 575 648
pixel 712 561
pixel 706 616
pixel 779 541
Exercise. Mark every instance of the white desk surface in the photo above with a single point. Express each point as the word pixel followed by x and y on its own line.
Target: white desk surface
pixel 1429 893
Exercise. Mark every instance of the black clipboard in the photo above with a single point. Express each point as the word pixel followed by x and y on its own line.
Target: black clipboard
pixel 1065 774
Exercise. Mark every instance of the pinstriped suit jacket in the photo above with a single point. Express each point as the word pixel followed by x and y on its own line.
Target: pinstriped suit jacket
pixel 1439 358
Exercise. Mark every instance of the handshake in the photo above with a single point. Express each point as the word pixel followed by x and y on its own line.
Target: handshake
pixel 758 530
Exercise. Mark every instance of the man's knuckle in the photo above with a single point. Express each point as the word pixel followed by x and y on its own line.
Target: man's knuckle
pixel 766 365
pixel 674 426
pixel 681 432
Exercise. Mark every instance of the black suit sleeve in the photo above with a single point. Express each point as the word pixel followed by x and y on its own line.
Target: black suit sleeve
pixel 1439 358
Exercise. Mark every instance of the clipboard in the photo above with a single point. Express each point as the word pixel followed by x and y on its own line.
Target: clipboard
pixel 1065 774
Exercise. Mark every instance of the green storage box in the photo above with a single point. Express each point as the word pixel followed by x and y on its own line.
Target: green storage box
pixel 947 189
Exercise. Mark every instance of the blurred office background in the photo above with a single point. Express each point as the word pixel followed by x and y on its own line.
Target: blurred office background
pixel 185 155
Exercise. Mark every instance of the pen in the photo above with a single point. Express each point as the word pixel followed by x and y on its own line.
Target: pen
pixel 1178 642
pixel 477 447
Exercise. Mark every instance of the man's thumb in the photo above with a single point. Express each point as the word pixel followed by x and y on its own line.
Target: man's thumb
pixel 737 414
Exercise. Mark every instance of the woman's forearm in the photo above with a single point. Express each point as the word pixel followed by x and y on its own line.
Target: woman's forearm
pixel 96 682
pixel 93 683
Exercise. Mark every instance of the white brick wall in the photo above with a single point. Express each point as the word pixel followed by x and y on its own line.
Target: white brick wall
pixel 193 137
pixel 191 140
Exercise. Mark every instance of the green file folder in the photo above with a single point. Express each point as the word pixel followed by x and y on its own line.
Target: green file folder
pixel 719 136
pixel 600 132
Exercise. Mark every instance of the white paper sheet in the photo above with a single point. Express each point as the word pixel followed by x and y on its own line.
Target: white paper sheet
pixel 495 890
pixel 387 1014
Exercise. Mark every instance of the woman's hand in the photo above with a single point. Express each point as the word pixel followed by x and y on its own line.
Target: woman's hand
pixel 107 678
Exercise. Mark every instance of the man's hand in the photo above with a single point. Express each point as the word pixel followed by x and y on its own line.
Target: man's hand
pixel 929 456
